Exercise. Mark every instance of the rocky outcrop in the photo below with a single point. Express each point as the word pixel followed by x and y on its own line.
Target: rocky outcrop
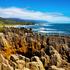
pixel 20 64
pixel 55 68
pixel 55 57
pixel 22 49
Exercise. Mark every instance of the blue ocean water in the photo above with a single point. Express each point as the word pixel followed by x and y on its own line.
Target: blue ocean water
pixel 50 28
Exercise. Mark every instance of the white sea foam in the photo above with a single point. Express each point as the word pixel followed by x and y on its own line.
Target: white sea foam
pixel 42 28
pixel 50 31
pixel 45 24
pixel 46 29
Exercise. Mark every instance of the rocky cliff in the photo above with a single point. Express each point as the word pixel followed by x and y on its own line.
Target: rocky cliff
pixel 22 49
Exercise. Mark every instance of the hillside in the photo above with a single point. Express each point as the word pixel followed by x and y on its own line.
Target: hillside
pixel 9 21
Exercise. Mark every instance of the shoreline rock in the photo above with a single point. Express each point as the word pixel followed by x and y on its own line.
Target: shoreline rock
pixel 22 49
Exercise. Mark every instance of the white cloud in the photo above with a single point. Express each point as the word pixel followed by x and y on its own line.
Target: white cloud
pixel 13 12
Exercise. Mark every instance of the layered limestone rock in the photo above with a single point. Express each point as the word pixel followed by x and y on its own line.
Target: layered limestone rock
pixel 4 64
pixel 55 68
pixel 22 49
pixel 55 57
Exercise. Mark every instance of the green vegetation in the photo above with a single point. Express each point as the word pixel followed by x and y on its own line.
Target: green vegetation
pixel 4 22
pixel 1 29
pixel 11 22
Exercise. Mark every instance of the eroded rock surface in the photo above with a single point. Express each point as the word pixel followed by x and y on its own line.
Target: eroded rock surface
pixel 22 49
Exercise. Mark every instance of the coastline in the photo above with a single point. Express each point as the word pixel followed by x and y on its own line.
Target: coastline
pixel 43 33
pixel 30 50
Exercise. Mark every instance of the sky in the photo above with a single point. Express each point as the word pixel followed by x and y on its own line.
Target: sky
pixel 55 11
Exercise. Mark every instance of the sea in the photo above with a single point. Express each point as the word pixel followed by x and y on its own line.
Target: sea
pixel 46 28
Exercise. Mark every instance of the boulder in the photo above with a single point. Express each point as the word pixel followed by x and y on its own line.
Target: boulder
pixel 13 64
pixel 14 57
pixel 33 66
pixel 45 60
pixel 21 64
pixel 4 64
pixel 6 67
pixel 55 57
pixel 36 64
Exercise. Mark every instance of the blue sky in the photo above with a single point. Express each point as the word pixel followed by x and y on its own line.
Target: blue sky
pixel 49 10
